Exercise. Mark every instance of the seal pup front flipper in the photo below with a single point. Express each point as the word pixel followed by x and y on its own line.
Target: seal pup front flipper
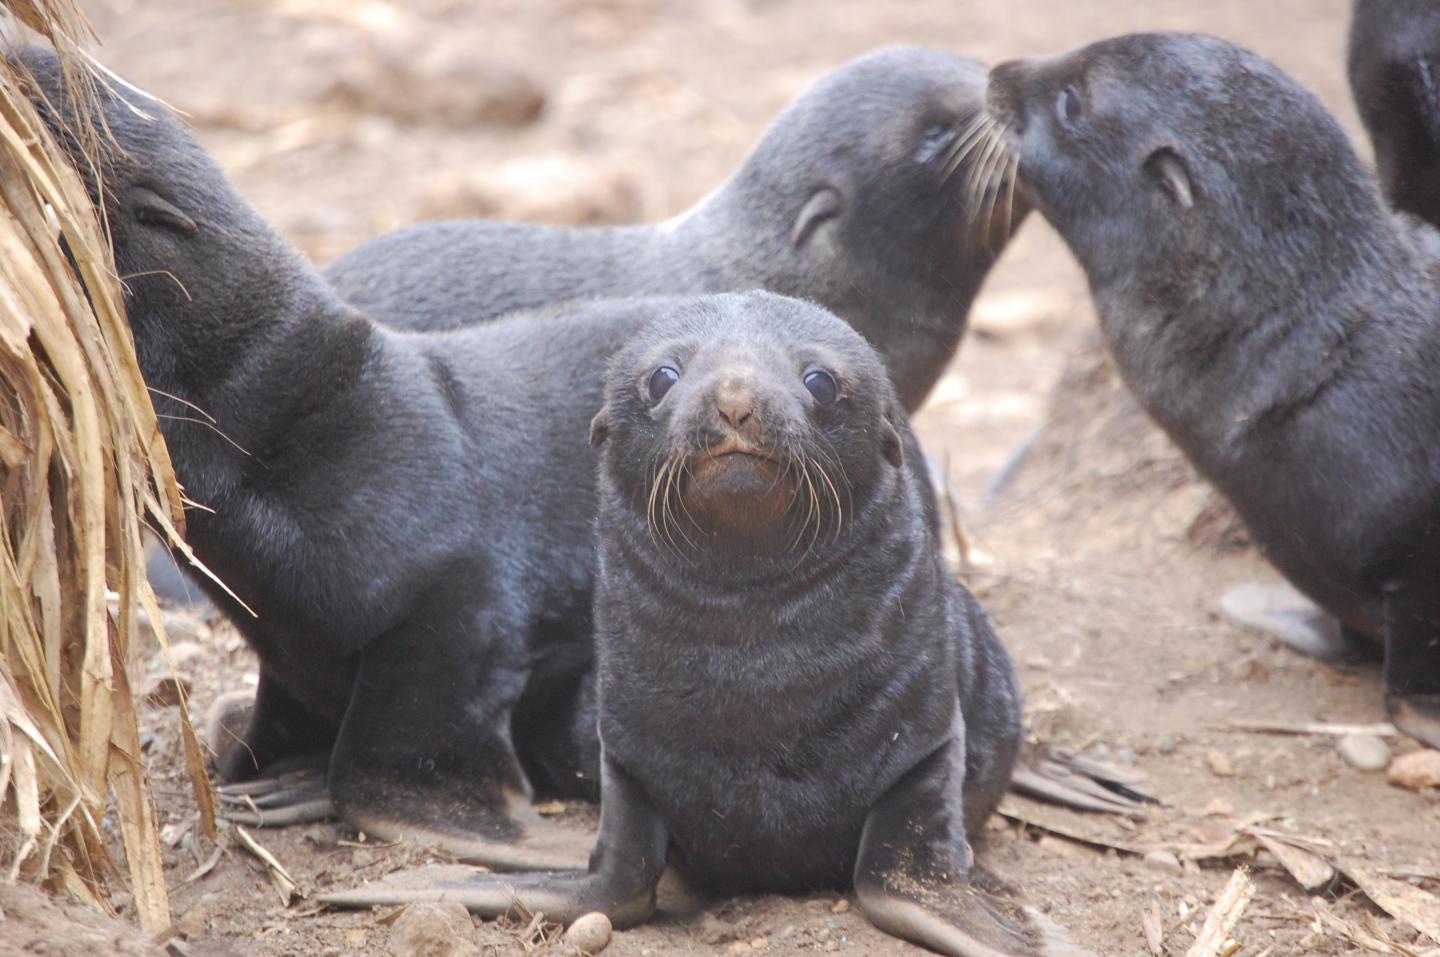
pixel 914 876
pixel 620 881
pixel 1412 659
pixel 1286 615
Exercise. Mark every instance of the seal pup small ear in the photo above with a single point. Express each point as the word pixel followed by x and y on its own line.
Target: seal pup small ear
pixel 890 443
pixel 822 206
pixel 1167 169
pixel 155 210
pixel 600 427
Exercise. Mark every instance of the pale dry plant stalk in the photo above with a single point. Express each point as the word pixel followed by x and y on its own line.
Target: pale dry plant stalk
pixel 82 469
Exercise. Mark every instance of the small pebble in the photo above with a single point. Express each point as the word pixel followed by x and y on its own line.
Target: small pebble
pixel 1220 765
pixel 433 930
pixel 1366 752
pixel 1162 861
pixel 841 906
pixel 1417 770
pixel 589 932
pixel 194 923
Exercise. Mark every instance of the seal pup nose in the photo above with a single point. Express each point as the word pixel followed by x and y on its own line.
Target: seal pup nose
pixel 1004 90
pixel 735 407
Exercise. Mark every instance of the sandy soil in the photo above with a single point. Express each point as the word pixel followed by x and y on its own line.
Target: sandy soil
pixel 1099 576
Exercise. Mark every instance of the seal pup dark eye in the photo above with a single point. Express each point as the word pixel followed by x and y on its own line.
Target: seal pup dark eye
pixel 1069 106
pixel 152 209
pixel 660 382
pixel 822 386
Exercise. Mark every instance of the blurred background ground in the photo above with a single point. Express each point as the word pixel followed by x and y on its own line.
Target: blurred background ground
pixel 342 120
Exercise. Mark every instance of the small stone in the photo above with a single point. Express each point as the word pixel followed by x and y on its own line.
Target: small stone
pixel 1218 807
pixel 759 943
pixel 739 947
pixel 433 930
pixel 1367 752
pixel 1162 861
pixel 589 932
pixel 166 692
pixel 832 945
pixel 1417 770
pixel 841 906
pixel 714 930
pixel 1220 765
pixel 194 922
pixel 1166 745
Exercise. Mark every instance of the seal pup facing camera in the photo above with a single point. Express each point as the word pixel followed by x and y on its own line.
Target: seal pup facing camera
pixel 1270 313
pixel 795 694
pixel 417 552
pixel 876 194
pixel 1393 62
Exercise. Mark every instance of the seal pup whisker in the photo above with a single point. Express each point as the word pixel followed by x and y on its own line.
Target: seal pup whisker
pixel 975 138
pixel 973 127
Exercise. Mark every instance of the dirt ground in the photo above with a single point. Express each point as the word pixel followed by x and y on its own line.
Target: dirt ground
pixel 1102 561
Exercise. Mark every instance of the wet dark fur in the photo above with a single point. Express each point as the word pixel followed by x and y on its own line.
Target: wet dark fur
pixel 1267 309
pixel 1394 68
pixel 765 702
pixel 844 202
pixel 401 511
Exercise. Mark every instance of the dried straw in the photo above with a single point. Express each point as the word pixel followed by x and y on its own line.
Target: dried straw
pixel 82 467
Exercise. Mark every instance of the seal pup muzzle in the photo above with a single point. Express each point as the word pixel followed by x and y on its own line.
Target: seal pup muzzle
pixel 794 692
pixel 1270 313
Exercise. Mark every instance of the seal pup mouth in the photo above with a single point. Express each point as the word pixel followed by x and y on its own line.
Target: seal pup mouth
pixel 738 490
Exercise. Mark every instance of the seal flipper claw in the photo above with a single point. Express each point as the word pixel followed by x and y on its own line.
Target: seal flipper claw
pixel 1412 660
pixel 287 797
pixel 1075 781
pixel 1286 615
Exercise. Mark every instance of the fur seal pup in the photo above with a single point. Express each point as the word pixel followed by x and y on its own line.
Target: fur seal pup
pixel 1394 67
pixel 1271 314
pixel 874 194
pixel 400 511
pixel 795 694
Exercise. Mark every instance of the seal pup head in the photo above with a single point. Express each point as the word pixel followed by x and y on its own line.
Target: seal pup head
pixel 202 274
pixel 1190 177
pixel 748 426
pixel 884 165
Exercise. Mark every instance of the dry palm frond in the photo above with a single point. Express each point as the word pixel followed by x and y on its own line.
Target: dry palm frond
pixel 82 468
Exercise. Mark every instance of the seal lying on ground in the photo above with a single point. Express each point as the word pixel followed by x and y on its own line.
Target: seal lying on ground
pixel 1394 67
pixel 1266 308
pixel 877 194
pixel 400 511
pixel 795 694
